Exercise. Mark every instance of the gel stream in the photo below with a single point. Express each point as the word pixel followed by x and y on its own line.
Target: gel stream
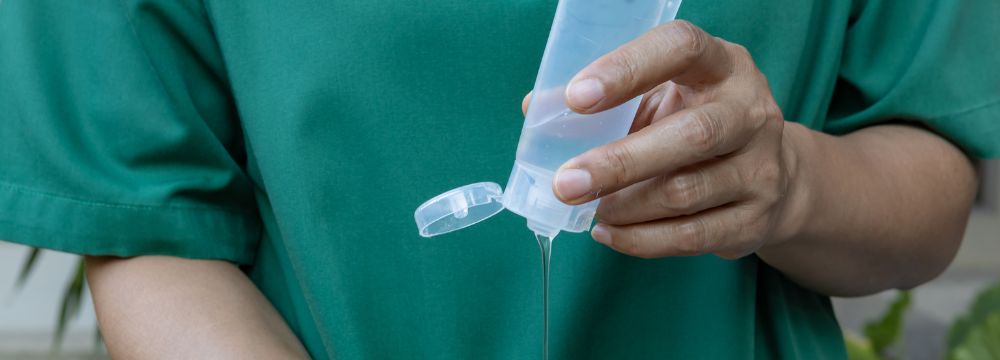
pixel 545 245
pixel 582 31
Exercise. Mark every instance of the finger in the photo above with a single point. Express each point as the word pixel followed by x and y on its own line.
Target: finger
pixel 718 231
pixel 524 103
pixel 682 139
pixel 692 190
pixel 657 104
pixel 677 51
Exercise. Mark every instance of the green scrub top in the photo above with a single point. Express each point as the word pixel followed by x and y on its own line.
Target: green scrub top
pixel 295 138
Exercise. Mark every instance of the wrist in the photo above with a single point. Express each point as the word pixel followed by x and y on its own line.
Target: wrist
pixel 798 148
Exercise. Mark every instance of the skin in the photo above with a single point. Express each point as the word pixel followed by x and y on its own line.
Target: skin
pixel 156 307
pixel 710 167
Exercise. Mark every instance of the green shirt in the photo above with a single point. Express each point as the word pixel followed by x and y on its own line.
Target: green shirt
pixel 297 137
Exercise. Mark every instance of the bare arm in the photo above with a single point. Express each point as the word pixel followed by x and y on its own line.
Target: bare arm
pixel 155 307
pixel 883 207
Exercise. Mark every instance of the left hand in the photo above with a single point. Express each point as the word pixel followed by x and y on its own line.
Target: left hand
pixel 707 167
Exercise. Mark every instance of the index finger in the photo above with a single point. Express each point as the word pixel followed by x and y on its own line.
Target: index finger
pixel 681 139
pixel 678 51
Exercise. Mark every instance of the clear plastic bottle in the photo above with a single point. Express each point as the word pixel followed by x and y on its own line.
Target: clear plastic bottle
pixel 582 31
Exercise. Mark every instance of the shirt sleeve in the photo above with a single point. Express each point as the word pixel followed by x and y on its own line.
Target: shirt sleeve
pixel 118 135
pixel 928 61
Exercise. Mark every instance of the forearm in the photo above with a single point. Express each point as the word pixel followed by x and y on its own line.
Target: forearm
pixel 155 307
pixel 883 207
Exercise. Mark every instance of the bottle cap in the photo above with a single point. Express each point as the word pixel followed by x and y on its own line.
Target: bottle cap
pixel 458 208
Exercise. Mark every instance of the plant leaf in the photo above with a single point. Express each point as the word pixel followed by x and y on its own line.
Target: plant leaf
pixel 72 297
pixel 29 264
pixel 859 348
pixel 987 303
pixel 884 332
pixel 98 340
pixel 982 342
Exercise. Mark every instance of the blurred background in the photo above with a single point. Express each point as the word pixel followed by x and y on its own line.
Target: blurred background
pixel 29 313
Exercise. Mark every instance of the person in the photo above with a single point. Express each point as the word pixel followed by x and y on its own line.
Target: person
pixel 241 175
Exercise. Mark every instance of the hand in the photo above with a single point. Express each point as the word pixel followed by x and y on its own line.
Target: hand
pixel 706 168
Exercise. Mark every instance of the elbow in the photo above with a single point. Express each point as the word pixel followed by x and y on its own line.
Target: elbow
pixel 940 245
pixel 922 273
pixel 908 271
pixel 930 263
pixel 936 252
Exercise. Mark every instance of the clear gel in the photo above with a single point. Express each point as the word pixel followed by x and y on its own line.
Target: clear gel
pixel 545 245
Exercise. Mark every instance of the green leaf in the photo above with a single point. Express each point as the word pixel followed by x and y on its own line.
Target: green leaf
pixel 859 348
pixel 98 340
pixel 72 297
pixel 29 264
pixel 981 342
pixel 884 332
pixel 987 303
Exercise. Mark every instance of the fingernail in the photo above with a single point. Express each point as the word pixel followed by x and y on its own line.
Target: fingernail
pixel 601 234
pixel 571 184
pixel 584 94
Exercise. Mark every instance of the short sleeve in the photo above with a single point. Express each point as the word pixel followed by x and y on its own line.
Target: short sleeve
pixel 931 61
pixel 118 135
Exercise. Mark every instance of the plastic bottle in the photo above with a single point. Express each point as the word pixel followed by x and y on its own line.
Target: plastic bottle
pixel 582 31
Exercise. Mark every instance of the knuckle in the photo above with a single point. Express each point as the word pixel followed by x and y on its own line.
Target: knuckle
pixel 691 238
pixel 687 38
pixel 750 227
pixel 754 226
pixel 763 113
pixel 773 110
pixel 610 210
pixel 620 160
pixel 626 64
pixel 774 115
pixel 630 242
pixel 739 50
pixel 741 56
pixel 682 192
pixel 758 114
pixel 777 121
pixel 703 131
pixel 768 173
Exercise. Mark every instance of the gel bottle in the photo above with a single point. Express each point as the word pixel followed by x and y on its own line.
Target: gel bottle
pixel 582 32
